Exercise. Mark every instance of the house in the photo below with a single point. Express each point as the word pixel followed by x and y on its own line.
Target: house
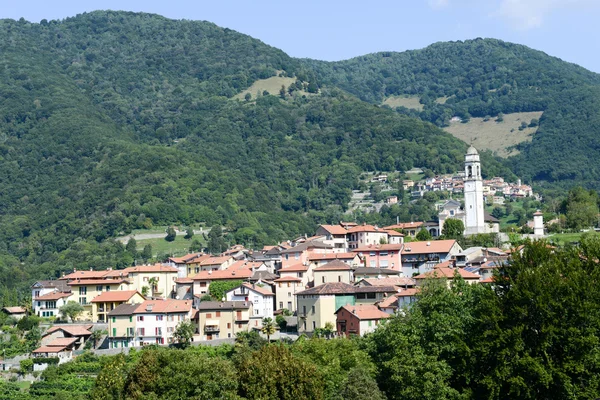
pixel 226 319
pixel 350 258
pixel 262 299
pixel 49 304
pixel 403 299
pixel 381 256
pixel 87 289
pixel 299 253
pixel 334 271
pixel 80 332
pixel 181 263
pixel 158 279
pixel 202 279
pixel 121 328
pixel 285 290
pixel 365 235
pixel 108 301
pixel 40 288
pixel 336 235
pixel 358 319
pixel 368 272
pixel 15 312
pixel 317 305
pixel 300 271
pixel 398 282
pixel 445 271
pixel 156 320
pixel 421 257
pixel 60 348
pixel 372 294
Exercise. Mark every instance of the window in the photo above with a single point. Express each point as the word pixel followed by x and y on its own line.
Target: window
pixel 142 332
pixel 288 284
pixel 129 331
pixel 296 256
pixel 323 279
pixel 372 254
pixel 159 317
pixel 314 325
pixel 208 315
pixel 339 278
pixel 114 330
pixel 140 318
pixel 372 263
pixel 158 331
pixel 255 299
pixel 202 284
pixel 107 288
pixel 256 312
pixel 170 329
pixel 303 309
pixel 130 318
pixel 313 309
pixel 82 290
pixel 218 314
pixel 145 279
pixel 114 319
pixel 383 253
pixel 281 304
pixel 229 325
pixel 289 294
pixel 99 288
pixel 82 301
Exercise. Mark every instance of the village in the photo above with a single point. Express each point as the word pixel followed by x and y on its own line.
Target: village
pixel 342 281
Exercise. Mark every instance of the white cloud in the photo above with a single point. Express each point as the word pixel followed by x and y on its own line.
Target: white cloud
pixel 529 14
pixel 438 4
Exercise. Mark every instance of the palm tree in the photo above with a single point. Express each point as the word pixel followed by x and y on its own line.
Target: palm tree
pixel 96 336
pixel 153 282
pixel 268 327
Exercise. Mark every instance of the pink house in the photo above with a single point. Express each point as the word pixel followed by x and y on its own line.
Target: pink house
pixel 381 256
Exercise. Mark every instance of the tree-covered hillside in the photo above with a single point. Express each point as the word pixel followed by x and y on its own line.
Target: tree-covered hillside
pixel 113 121
pixel 485 77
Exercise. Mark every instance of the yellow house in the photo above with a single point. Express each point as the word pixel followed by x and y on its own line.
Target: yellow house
pixel 108 301
pixel 219 320
pixel 317 305
pixel 334 271
pixel 158 279
pixel 85 290
pixel 121 326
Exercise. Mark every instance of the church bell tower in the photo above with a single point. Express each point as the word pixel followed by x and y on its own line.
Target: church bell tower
pixel 474 217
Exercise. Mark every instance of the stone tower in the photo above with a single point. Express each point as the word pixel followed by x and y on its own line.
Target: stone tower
pixel 538 223
pixel 474 217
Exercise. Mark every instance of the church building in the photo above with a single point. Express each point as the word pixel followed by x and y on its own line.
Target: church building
pixel 474 216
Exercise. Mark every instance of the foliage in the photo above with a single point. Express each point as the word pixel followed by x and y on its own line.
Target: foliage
pixel 361 386
pixel 26 366
pixel 268 327
pixel 424 235
pixel 217 289
pixel 453 228
pixel 111 380
pixel 274 372
pixel 184 333
pixel 189 234
pixel 171 234
pixel 249 340
pixel 581 208
pixel 71 310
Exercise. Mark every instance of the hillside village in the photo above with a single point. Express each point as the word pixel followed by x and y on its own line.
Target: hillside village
pixel 342 281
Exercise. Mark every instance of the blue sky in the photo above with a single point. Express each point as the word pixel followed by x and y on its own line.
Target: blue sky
pixel 336 30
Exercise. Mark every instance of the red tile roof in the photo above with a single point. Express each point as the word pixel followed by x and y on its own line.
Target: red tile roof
pixel 335 229
pixel 444 271
pixel 73 330
pixel 287 279
pixel 365 228
pixel 330 288
pixel 380 247
pixel 390 301
pixel 235 271
pixel 184 280
pixel 294 268
pixel 97 282
pixel 48 349
pixel 151 268
pixel 405 225
pixel 85 275
pixel 335 265
pixel 408 292
pixel 15 310
pixel 262 290
pixel 53 296
pixel 116 295
pixel 365 311
pixel 394 281
pixel 331 256
pixel 62 342
pixel 184 259
pixel 164 306
pixel 433 246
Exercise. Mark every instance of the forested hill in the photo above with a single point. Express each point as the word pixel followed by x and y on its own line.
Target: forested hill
pixel 112 121
pixel 485 77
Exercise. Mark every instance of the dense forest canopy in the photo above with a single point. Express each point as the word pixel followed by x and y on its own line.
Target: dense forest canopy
pixel 112 121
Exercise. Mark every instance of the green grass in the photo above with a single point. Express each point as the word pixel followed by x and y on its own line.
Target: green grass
pixel 24 385
pixel 566 238
pixel 404 101
pixel 178 247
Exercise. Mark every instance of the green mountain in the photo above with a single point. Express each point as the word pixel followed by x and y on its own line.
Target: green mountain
pixel 484 77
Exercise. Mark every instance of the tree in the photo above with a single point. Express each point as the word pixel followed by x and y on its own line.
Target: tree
pixel 131 247
pixel 282 92
pixel 171 234
pixel 147 252
pixel 71 310
pixel 424 235
pixel 153 282
pixel 196 245
pixel 184 333
pixel 248 97
pixel 581 208
pixel 217 289
pixel 96 336
pixel 189 234
pixel 281 322
pixel 497 212
pixel 268 327
pixel 216 244
pixel 361 386
pixel 111 380
pixel 453 228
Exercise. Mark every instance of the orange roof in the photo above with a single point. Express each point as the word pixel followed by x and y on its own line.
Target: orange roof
pixel 117 273
pixel 444 271
pixel 396 281
pixel 262 290
pixel 86 275
pixel 405 225
pixel 380 247
pixel 235 271
pixel 393 233
pixel 330 256
pixel 433 246
pixel 294 268
pixel 184 259
pixel 241 264
pixel 335 265
pixel 117 295
pixel 489 279
pixel 390 301
pixel 365 228
pixel 151 268
pixel 15 310
pixel 199 259
pixel 288 279
pixel 53 296
pixel 213 260
pixel 335 229
pixel 365 311
pixel 62 342
pixel 73 330
pixel 164 306
pixel 97 282
pixel 184 280
pixel 407 292
pixel 48 349
pixel 267 248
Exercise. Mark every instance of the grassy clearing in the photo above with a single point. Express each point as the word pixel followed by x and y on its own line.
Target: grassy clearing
pixel 567 238
pixel 178 247
pixel 495 136
pixel 442 100
pixel 271 85
pixel 404 101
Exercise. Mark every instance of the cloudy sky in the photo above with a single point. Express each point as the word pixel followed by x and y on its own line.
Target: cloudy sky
pixel 336 30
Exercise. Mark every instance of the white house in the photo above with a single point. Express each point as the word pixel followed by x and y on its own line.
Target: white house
pixel 261 297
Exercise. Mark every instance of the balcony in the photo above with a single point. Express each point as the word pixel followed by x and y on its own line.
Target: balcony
pixel 211 329
pixel 241 293
pixel 242 318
